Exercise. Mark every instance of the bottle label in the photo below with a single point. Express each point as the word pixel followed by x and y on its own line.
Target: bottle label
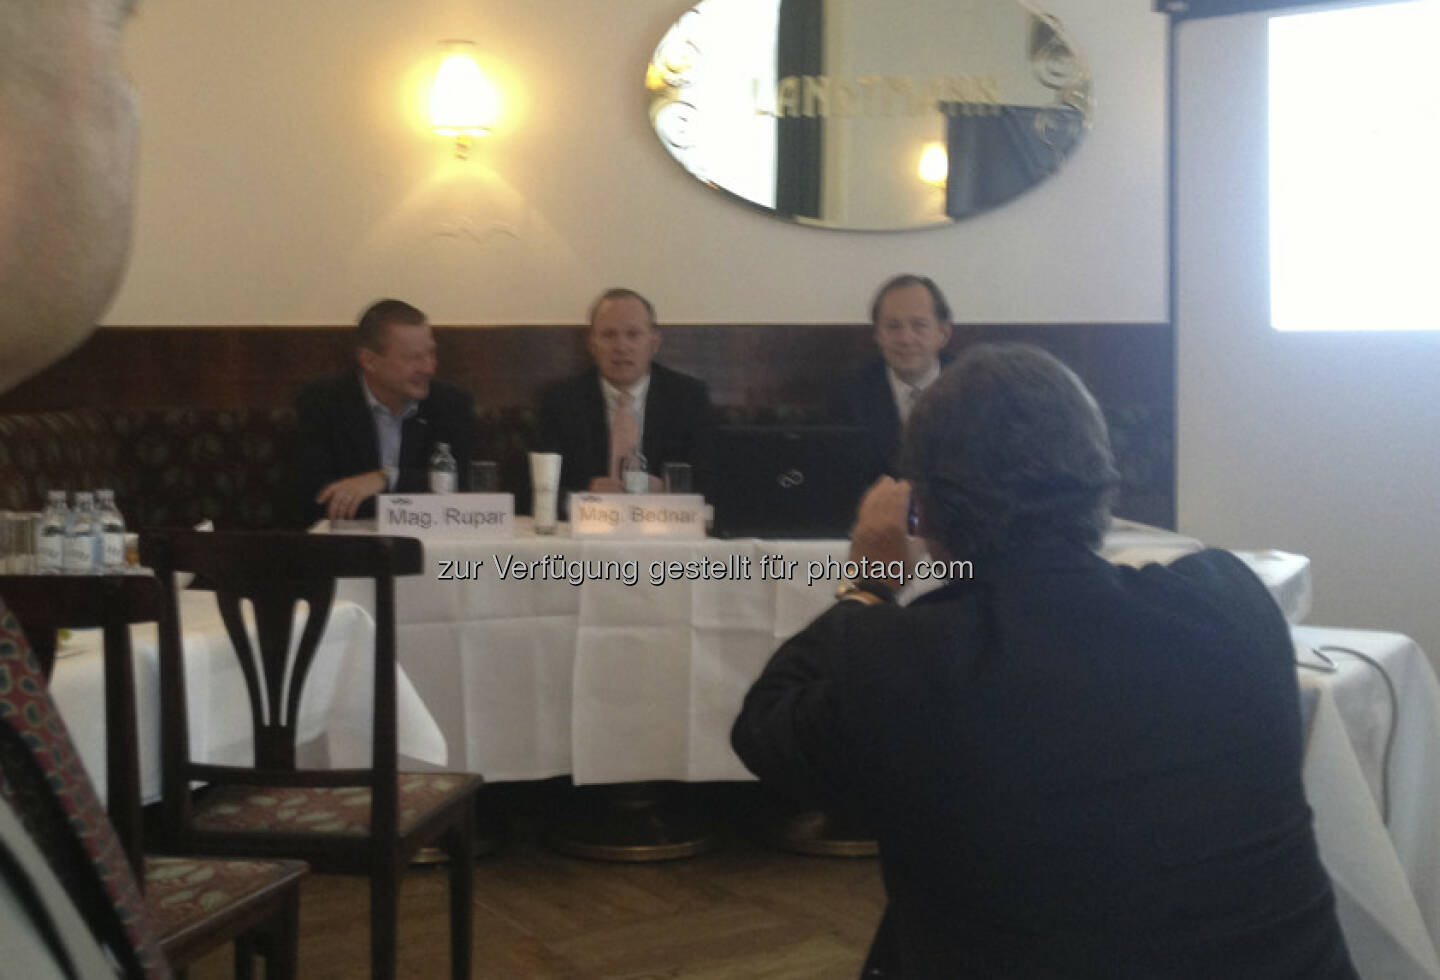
pixel 50 552
pixel 80 554
pixel 442 482
pixel 114 556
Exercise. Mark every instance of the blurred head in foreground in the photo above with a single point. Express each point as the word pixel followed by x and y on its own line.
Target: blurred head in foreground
pixel 1009 447
pixel 67 160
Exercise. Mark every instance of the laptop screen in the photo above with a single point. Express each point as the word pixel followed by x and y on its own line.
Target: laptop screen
pixel 787 481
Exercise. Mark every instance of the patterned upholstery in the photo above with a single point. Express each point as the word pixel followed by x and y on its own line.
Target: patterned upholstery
pixel 168 467
pixel 769 415
pixel 181 893
pixel 335 811
pixel 177 467
pixel 506 435
pixel 65 799
pixel 54 451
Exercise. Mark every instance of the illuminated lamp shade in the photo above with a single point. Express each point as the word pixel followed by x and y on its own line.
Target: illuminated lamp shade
pixel 934 164
pixel 463 103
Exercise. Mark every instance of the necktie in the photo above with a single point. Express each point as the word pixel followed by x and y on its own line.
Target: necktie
pixel 624 431
pixel 907 404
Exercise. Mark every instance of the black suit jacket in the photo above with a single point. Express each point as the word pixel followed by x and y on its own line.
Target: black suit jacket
pixel 865 399
pixel 335 438
pixel 572 423
pixel 1073 770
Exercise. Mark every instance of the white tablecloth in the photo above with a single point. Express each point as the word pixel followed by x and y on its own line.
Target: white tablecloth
pixel 335 711
pixel 611 678
pixel 1376 814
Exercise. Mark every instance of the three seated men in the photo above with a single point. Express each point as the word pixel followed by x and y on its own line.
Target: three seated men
pixel 372 429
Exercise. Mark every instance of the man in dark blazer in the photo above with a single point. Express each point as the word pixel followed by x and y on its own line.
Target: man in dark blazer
pixel 373 429
pixel 912 326
pixel 1073 769
pixel 671 411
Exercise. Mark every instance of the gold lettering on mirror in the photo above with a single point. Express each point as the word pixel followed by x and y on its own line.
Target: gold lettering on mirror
pixel 878 96
pixel 816 110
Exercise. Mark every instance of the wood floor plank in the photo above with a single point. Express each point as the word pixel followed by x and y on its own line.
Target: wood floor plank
pixel 744 912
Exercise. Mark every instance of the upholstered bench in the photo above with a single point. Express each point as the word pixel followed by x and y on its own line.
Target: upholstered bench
pixel 168 467
pixel 178 466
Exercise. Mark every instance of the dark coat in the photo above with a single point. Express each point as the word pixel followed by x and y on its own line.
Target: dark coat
pixel 865 399
pixel 1073 770
pixel 335 438
pixel 572 423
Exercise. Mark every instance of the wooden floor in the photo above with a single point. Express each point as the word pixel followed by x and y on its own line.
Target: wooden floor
pixel 744 911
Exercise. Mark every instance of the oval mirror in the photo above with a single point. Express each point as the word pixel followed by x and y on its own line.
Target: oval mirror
pixel 868 114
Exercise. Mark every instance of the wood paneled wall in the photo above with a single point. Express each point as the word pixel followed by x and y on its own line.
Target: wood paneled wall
pixel 260 367
pixel 1130 367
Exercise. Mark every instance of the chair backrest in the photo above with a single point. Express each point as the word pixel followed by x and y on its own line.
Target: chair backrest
pixel 47 603
pixel 43 779
pixel 274 571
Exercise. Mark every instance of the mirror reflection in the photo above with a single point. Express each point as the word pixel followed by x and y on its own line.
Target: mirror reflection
pixel 864 114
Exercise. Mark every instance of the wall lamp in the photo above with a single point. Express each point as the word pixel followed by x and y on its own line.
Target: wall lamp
pixel 463 103
pixel 934 168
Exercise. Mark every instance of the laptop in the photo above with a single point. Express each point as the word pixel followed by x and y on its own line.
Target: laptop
pixel 787 481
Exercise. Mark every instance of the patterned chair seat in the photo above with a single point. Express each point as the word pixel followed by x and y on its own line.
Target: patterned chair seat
pixel 183 894
pixel 330 810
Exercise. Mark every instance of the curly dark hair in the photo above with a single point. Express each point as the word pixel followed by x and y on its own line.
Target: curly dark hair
pixel 1009 447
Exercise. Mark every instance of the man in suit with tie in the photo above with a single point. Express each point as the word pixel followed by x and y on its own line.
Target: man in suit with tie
pixel 912 327
pixel 372 430
pixel 626 401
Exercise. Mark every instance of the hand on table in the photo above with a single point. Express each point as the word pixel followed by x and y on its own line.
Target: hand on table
pixel 343 497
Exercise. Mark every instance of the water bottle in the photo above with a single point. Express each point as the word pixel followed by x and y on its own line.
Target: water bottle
pixel 112 532
pixel 50 536
pixel 443 470
pixel 635 473
pixel 82 536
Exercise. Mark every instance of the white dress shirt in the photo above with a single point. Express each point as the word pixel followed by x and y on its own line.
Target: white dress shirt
pixel 389 428
pixel 905 393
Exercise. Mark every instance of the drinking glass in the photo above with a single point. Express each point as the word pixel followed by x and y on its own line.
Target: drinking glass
pixel 17 541
pixel 679 478
pixel 484 476
pixel 9 529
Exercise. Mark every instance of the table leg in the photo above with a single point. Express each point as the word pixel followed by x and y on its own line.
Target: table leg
pixel 633 822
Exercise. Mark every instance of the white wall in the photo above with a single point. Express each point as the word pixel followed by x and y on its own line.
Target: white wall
pixel 288 179
pixel 1321 444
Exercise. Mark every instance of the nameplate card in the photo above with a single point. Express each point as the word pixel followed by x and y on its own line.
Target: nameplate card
pixel 447 515
pixel 637 515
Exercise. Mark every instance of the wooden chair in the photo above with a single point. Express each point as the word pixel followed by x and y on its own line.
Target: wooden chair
pixel 194 904
pixel 369 821
pixel 43 780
